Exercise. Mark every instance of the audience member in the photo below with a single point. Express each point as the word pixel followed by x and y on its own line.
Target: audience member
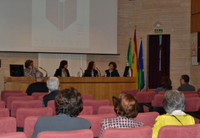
pixel 53 86
pixel 185 86
pixel 126 109
pixel 112 72
pixel 174 105
pixel 68 104
pixel 62 71
pixel 91 71
pixel 38 86
pixel 166 84
pixel 29 70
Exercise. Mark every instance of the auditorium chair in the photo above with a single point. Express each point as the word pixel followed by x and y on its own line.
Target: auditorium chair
pixel 189 92
pixel 139 132
pixel 40 98
pixel 192 104
pixel 9 91
pixel 96 104
pixel 10 99
pixel 24 104
pixel 87 97
pixel 147 118
pixel 190 131
pixel 7 124
pixel 37 94
pixel 85 133
pixel 22 113
pixel 132 92
pixel 149 90
pixel 13 135
pixel 157 103
pixel 29 125
pixel 95 121
pixel 4 112
pixel 106 110
pixel 2 104
pixel 162 92
pixel 191 95
pixel 6 95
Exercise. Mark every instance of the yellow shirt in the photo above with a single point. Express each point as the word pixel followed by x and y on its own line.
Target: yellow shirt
pixel 164 120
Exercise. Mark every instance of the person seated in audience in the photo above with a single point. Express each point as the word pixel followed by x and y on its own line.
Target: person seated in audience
pixel 112 72
pixel 185 86
pixel 126 108
pixel 166 84
pixel 62 71
pixel 53 85
pixel 91 71
pixel 30 70
pixel 68 104
pixel 38 86
pixel 174 105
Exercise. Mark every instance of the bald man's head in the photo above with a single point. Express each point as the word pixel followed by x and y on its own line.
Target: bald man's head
pixel 39 77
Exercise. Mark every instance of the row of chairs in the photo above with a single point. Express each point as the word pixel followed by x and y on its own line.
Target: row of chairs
pixel 191 131
pixel 8 124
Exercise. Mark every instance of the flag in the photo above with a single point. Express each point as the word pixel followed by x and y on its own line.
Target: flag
pixel 135 60
pixel 141 82
pixel 129 57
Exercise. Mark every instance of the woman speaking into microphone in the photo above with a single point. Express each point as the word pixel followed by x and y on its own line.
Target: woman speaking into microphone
pixel 91 71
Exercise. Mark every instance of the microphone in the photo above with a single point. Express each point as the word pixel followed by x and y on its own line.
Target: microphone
pixel 81 71
pixel 99 71
pixel 44 71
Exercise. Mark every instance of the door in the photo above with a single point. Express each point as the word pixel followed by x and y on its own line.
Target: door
pixel 159 59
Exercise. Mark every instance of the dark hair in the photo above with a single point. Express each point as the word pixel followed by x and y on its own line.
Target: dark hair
pixel 126 106
pixel 186 78
pixel 69 102
pixel 28 63
pixel 62 64
pixel 166 82
pixel 114 65
pixel 90 66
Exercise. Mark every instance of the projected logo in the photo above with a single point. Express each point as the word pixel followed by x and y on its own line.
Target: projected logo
pixel 61 13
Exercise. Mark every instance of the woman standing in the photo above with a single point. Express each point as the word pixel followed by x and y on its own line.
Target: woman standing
pixel 91 71
pixel 62 71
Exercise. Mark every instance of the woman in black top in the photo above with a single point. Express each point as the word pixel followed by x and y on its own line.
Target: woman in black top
pixel 112 72
pixel 62 71
pixel 90 71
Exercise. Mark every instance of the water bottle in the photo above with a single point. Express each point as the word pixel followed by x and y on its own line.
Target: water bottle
pixel 105 74
pixel 92 74
pixel 78 74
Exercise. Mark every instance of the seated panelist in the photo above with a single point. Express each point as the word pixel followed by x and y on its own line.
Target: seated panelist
pixel 62 71
pixel 112 72
pixel 30 70
pixel 91 71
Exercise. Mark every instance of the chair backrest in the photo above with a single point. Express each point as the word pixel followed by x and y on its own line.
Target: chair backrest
pixel 40 98
pixel 95 121
pixel 10 91
pixel 37 94
pixel 13 135
pixel 2 104
pixel 190 131
pixel 29 125
pixel 191 95
pixel 10 99
pixel 4 112
pixel 87 97
pixel 162 92
pixel 22 113
pixel 87 110
pixel 145 97
pixel 24 104
pixel 6 95
pixel 147 118
pixel 192 104
pixel 51 104
pixel 85 133
pixel 96 104
pixel 7 124
pixel 145 90
pixel 106 110
pixel 132 92
pixel 189 92
pixel 139 132
pixel 158 100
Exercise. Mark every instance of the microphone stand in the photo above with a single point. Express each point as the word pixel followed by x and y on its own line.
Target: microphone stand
pixel 44 71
